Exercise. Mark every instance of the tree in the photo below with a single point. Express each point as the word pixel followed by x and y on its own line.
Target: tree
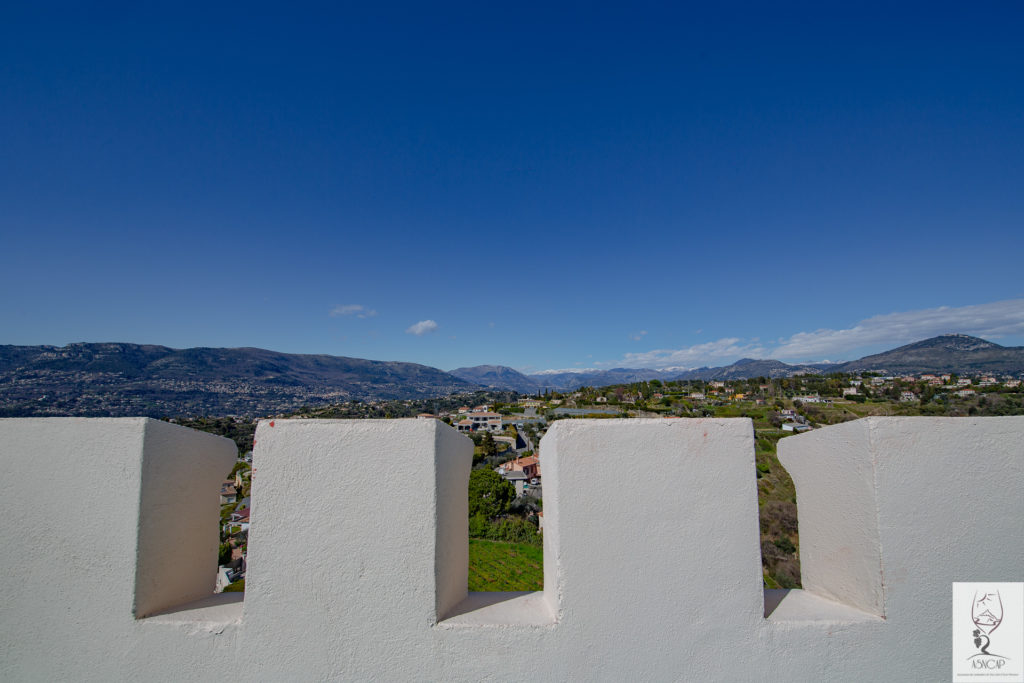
pixel 224 553
pixel 488 446
pixel 489 494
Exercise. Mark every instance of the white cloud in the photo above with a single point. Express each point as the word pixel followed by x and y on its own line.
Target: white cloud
pixel 562 370
pixel 729 348
pixel 989 321
pixel 422 327
pixel 357 310
pixel 637 336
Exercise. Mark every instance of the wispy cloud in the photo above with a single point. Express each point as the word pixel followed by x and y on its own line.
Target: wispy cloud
pixel 989 321
pixel 422 327
pixel 729 348
pixel 637 336
pixel 357 310
pixel 564 370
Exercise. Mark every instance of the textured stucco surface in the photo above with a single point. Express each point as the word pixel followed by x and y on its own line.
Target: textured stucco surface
pixel 73 491
pixel 652 567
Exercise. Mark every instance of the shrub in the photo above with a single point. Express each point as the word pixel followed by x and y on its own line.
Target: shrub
pixel 478 526
pixel 785 545
pixel 509 530
pixel 787 574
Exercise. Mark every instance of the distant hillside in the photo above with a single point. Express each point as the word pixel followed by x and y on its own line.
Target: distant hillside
pixel 958 353
pixel 497 377
pixel 746 368
pixel 131 379
pixel 568 381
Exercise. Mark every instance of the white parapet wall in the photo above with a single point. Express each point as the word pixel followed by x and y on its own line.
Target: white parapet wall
pixel 102 521
pixel 358 552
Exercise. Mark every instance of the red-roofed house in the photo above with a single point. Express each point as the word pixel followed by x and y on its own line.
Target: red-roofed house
pixel 530 466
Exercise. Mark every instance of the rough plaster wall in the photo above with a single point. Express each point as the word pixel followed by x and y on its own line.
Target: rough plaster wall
pixel 453 458
pixel 951 508
pixel 178 533
pixel 550 469
pixel 840 550
pixel 646 510
pixel 343 542
pixel 655 542
pixel 70 491
pixel 948 506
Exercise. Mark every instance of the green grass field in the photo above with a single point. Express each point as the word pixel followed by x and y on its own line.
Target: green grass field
pixel 495 566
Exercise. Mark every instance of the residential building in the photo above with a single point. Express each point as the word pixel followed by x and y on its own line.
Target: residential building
pixel 485 421
pixel 530 466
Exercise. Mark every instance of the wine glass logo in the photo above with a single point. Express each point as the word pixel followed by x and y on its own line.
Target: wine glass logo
pixel 987 614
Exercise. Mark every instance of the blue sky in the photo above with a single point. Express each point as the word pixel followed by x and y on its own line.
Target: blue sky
pixel 529 185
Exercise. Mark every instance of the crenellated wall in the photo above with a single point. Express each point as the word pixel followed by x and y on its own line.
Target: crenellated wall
pixel 358 552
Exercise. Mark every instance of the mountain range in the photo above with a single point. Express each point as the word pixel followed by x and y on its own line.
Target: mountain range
pixel 131 379
pixel 958 353
pixel 118 379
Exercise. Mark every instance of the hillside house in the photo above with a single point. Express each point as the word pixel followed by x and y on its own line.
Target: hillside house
pixel 530 466
pixel 484 421
pixel 228 493
pixel 518 479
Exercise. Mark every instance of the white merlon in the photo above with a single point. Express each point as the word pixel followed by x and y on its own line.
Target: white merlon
pixel 357 553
